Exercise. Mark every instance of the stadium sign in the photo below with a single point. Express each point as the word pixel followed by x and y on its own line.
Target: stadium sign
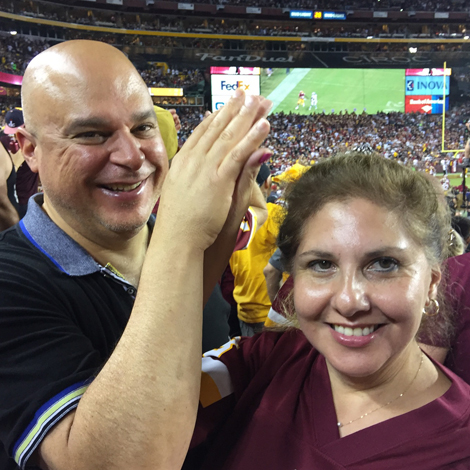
pixel 332 15
pixel 427 85
pixel 223 85
pixel 425 104
pixel 301 14
pixel 192 57
pixel 243 58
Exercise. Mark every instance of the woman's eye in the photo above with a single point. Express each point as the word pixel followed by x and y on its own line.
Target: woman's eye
pixel 384 265
pixel 321 265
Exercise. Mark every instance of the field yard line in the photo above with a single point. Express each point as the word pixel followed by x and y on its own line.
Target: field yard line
pixel 286 86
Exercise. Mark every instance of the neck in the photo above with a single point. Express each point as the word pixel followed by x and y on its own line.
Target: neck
pixel 125 252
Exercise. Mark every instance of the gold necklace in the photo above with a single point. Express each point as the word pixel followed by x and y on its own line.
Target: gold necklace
pixel 341 425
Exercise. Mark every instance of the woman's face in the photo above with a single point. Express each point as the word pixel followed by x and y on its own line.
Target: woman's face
pixel 361 283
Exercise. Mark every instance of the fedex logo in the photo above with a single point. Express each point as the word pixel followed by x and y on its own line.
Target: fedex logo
pixel 233 86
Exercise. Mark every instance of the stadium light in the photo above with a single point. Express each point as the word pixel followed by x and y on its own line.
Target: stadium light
pixel 13 33
pixel 413 50
pixel 466 37
pixel 370 37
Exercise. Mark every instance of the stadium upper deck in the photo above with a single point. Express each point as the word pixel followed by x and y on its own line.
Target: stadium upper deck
pixel 348 5
pixel 165 31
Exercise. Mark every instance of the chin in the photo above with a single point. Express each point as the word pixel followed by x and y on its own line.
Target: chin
pixel 355 364
pixel 129 227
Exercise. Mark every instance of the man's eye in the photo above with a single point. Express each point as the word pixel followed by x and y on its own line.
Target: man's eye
pixel 384 265
pixel 144 128
pixel 91 135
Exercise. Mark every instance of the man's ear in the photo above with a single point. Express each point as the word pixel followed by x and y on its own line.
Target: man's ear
pixel 27 144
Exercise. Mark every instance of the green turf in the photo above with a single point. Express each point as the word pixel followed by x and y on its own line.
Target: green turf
pixel 337 89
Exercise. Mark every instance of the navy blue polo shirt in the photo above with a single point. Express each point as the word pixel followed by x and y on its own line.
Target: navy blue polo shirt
pixel 61 315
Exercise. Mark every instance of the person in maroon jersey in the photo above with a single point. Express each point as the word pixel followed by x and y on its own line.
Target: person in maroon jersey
pixel 27 182
pixel 349 388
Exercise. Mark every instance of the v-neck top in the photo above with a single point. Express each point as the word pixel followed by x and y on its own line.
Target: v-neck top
pixel 283 417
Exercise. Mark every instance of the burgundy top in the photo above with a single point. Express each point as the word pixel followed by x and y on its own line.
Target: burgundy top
pixel 282 417
pixel 458 295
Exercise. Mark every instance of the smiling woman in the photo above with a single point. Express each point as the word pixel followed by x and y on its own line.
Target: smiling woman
pixel 364 239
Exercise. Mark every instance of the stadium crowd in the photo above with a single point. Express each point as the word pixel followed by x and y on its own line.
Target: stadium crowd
pixel 105 309
pixel 413 139
pixel 414 5
pixel 151 22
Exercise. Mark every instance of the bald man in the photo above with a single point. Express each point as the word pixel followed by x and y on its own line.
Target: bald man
pixel 100 321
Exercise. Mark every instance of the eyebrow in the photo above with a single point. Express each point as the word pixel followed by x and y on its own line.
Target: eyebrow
pixel 384 251
pixel 101 123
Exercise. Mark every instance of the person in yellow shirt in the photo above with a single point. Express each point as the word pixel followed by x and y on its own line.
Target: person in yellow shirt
pixel 250 291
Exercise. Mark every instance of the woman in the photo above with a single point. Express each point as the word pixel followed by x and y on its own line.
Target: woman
pixel 364 239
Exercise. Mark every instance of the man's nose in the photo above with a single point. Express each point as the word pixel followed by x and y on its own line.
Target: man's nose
pixel 350 295
pixel 126 150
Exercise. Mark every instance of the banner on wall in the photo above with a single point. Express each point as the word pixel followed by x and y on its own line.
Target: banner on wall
pixel 223 87
pixel 192 57
pixel 425 104
pixel 10 78
pixel 426 85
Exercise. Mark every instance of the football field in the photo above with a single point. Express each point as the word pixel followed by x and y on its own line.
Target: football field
pixel 337 90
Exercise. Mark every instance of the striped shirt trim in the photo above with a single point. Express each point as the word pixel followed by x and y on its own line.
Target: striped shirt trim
pixel 254 223
pixel 46 417
pixel 216 382
pixel 277 317
pixel 224 348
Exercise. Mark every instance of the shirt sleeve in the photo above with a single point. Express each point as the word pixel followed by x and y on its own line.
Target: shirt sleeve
pixel 226 373
pixel 46 362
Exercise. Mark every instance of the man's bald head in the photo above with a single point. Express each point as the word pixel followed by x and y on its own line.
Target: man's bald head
pixel 68 72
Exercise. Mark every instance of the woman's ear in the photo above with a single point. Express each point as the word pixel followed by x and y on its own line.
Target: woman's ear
pixel 436 276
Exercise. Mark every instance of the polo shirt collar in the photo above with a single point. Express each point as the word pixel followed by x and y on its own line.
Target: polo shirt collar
pixel 53 242
pixel 68 256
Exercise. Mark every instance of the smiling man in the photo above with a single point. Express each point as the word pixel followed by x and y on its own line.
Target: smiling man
pixel 100 322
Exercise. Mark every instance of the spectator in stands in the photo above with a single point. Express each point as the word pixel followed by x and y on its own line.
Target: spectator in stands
pixel 250 291
pixel 8 198
pixel 462 226
pixel 27 182
pixel 89 378
pixel 351 388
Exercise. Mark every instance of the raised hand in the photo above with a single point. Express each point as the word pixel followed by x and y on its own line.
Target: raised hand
pixel 213 172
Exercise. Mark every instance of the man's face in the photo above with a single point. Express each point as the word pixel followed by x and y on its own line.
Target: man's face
pixel 101 158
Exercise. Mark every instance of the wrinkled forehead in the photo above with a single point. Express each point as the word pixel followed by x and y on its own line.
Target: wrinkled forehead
pixel 89 93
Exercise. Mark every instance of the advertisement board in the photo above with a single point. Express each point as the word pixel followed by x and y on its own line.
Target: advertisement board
pixel 236 70
pixel 224 86
pixel 303 14
pixel 427 85
pixel 333 15
pixel 427 72
pixel 425 104
pixel 166 91
pixel 227 84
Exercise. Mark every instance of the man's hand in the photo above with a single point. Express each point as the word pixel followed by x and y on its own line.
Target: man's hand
pixel 211 176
